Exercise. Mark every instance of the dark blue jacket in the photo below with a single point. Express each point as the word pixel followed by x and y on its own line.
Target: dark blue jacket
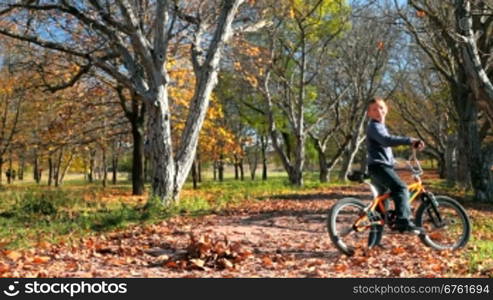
pixel 379 141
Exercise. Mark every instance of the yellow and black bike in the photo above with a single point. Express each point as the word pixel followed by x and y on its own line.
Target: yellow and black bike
pixel 352 224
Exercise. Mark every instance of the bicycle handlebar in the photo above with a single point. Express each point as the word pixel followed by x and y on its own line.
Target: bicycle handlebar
pixel 415 170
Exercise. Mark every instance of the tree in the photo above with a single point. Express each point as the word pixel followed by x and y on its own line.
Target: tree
pixel 365 60
pixel 474 21
pixel 436 31
pixel 292 47
pixel 130 42
pixel 135 113
pixel 244 105
pixel 15 82
pixel 423 103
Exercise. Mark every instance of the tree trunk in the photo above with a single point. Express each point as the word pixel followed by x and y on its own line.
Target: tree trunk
pixel 253 168
pixel 464 110
pixel 199 167
pixel 349 159
pixel 194 175
pixel 214 170
pixel 478 159
pixel 50 170
pixel 92 162
pixel 263 147
pixel 237 176
pixel 295 176
pixel 296 172
pixel 220 168
pixel 160 147
pixel 22 165
pixel 57 168
pixel 146 169
pixel 450 159
pixel 242 171
pixel 473 169
pixel 114 167
pixel 170 171
pixel 474 65
pixel 1 169
pixel 36 168
pixel 10 178
pixel 138 160
pixel 322 160
pixel 66 167
pixel 287 144
pixel 299 131
pixel 357 138
pixel 442 167
pixel 323 169
pixel 104 167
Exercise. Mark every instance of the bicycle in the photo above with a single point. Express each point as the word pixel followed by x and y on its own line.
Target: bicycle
pixel 444 220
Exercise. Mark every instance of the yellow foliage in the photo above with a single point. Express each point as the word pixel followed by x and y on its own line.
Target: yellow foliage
pixel 214 138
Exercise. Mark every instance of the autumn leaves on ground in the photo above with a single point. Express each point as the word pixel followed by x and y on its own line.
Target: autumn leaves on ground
pixel 280 234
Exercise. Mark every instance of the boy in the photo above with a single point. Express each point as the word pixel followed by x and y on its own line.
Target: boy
pixel 381 163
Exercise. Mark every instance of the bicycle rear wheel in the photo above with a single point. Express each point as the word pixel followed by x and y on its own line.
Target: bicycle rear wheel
pixel 447 227
pixel 340 224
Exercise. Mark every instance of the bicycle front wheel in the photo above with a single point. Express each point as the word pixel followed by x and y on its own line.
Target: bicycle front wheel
pixel 447 225
pixel 341 225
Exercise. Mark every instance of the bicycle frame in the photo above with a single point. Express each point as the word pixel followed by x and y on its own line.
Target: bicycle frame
pixel 443 222
pixel 416 189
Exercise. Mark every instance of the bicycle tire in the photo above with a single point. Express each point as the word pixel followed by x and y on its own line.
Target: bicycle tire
pixel 435 236
pixel 335 230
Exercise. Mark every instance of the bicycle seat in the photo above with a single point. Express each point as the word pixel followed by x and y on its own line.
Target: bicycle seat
pixel 358 176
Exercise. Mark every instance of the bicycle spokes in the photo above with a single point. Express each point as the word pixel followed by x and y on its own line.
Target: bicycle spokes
pixel 444 226
pixel 347 225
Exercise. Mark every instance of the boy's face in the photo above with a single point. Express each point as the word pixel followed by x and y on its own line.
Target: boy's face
pixel 377 111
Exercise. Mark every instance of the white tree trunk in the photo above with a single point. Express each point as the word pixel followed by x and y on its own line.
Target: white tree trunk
pixel 170 172
pixel 478 80
pixel 160 148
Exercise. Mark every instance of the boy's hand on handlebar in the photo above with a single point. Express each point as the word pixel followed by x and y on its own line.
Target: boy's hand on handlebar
pixel 418 144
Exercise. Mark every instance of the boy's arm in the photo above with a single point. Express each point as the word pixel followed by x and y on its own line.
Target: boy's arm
pixel 377 132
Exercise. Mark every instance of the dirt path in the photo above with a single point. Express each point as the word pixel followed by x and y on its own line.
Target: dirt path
pixel 279 237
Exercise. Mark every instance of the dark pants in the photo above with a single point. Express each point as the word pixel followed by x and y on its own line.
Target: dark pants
pixel 383 178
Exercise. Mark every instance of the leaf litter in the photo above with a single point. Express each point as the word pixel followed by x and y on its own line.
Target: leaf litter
pixel 276 237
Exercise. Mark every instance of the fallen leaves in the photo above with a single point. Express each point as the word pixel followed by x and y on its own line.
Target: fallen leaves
pixel 398 250
pixel 4 268
pixel 278 237
pixel 267 262
pixel 204 253
pixel 13 255
pixel 340 267
pixel 40 259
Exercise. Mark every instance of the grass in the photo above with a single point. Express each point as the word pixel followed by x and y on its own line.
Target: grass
pixel 480 257
pixel 440 186
pixel 30 213
pixel 479 254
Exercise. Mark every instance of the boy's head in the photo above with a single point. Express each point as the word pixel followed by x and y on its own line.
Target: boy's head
pixel 377 109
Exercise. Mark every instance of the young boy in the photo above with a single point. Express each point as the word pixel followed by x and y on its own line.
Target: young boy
pixel 381 163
